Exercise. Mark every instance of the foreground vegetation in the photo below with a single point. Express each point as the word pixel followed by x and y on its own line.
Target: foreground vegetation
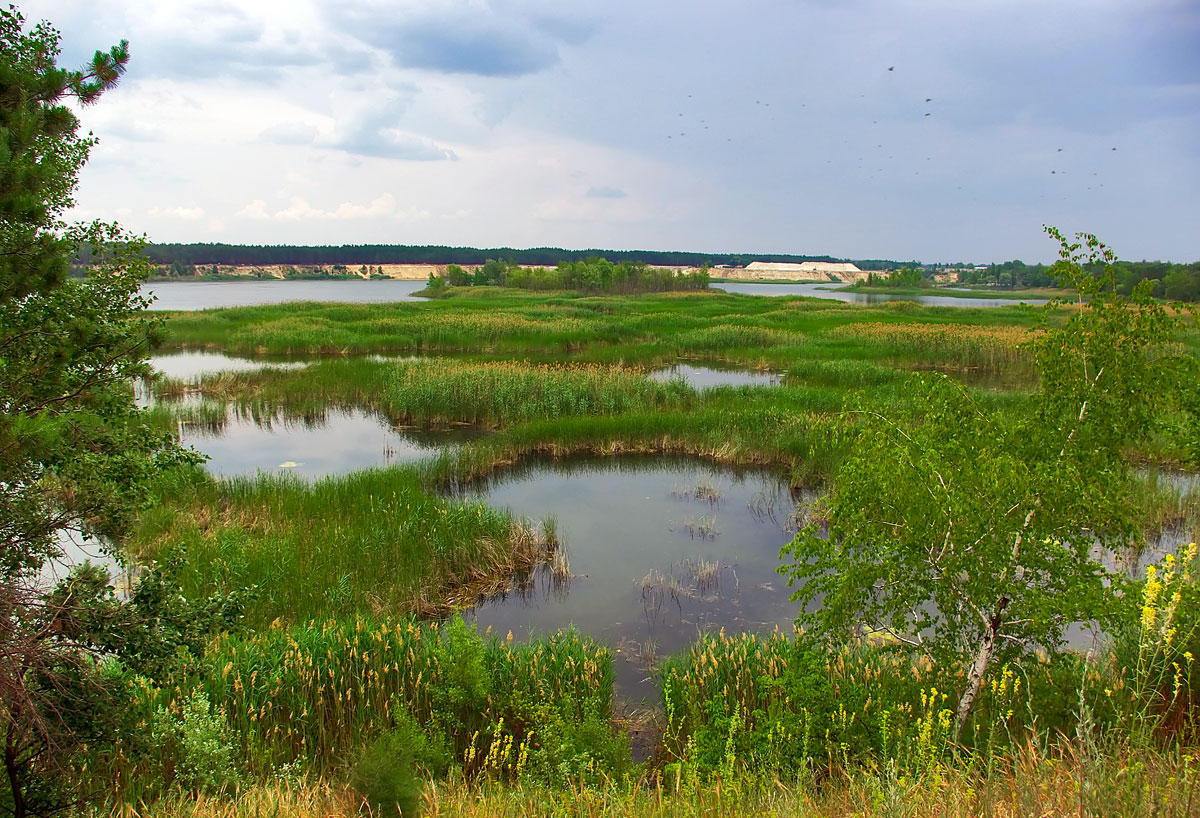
pixel 442 718
pixel 292 647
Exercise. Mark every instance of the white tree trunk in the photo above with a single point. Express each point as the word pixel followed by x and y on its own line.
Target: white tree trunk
pixel 987 648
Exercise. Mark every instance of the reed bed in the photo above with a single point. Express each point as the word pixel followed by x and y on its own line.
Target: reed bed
pixel 440 391
pixel 307 698
pixel 355 328
pixel 724 337
pixel 372 541
pixel 752 705
pixel 992 347
pixel 505 322
pixel 807 446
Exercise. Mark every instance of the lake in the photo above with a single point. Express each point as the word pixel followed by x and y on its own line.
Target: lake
pixel 818 289
pixel 660 550
pixel 203 295
pixel 337 441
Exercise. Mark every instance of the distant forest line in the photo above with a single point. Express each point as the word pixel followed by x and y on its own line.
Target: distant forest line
pixel 1173 281
pixel 358 254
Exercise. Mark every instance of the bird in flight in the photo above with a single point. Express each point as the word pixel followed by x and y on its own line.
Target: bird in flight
pixel 891 68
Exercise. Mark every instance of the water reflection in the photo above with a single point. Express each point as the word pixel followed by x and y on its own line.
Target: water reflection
pixel 191 366
pixel 711 375
pixel 203 295
pixel 660 549
pixel 830 290
pixel 73 550
pixel 245 441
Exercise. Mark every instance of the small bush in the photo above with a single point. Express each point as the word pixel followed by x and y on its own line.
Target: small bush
pixel 198 740
pixel 384 777
pixel 584 752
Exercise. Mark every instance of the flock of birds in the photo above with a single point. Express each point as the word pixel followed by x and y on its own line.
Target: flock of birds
pixel 703 125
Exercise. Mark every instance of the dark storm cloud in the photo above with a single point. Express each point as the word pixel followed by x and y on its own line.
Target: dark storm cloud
pixel 457 38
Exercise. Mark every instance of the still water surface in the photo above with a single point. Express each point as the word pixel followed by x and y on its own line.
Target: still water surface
pixel 203 295
pixel 712 375
pixel 338 441
pixel 819 289
pixel 190 366
pixel 661 549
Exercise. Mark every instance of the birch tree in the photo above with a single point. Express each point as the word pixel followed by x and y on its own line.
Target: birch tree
pixel 970 537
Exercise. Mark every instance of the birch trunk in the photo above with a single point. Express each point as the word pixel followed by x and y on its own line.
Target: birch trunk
pixel 987 648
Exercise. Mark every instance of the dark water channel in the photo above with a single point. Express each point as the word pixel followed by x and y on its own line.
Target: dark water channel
pixel 660 550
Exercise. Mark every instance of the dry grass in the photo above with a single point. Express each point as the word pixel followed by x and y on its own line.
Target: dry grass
pixel 1032 784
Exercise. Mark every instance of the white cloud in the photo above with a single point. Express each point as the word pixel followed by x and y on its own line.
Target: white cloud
pixel 299 209
pixel 412 214
pixel 185 213
pixel 257 209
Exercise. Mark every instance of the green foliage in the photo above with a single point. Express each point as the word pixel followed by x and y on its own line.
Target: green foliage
pixel 1156 644
pixel 971 536
pixel 320 693
pixel 592 275
pixel 588 751
pixel 384 776
pixel 313 550
pixel 198 744
pixel 907 277
pixel 75 452
pixel 440 391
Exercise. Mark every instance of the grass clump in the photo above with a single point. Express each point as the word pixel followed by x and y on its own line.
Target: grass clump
pixel 372 541
pixel 441 391
pixel 325 694
pixel 384 776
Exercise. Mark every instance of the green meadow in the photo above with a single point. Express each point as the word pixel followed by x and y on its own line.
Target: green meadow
pixel 345 643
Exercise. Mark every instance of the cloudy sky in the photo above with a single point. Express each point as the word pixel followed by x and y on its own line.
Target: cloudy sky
pixel 939 130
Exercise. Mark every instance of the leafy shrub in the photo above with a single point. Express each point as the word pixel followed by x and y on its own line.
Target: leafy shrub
pixel 384 777
pixel 588 752
pixel 199 742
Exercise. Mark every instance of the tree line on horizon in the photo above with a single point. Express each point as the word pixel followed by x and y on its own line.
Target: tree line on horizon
pixel 595 275
pixel 1174 282
pixel 204 255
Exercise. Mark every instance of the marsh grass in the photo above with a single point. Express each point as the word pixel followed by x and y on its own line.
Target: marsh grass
pixel 646 329
pixel 372 541
pixel 508 392
pixel 313 695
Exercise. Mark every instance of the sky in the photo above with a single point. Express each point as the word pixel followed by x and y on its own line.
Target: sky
pixel 937 130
